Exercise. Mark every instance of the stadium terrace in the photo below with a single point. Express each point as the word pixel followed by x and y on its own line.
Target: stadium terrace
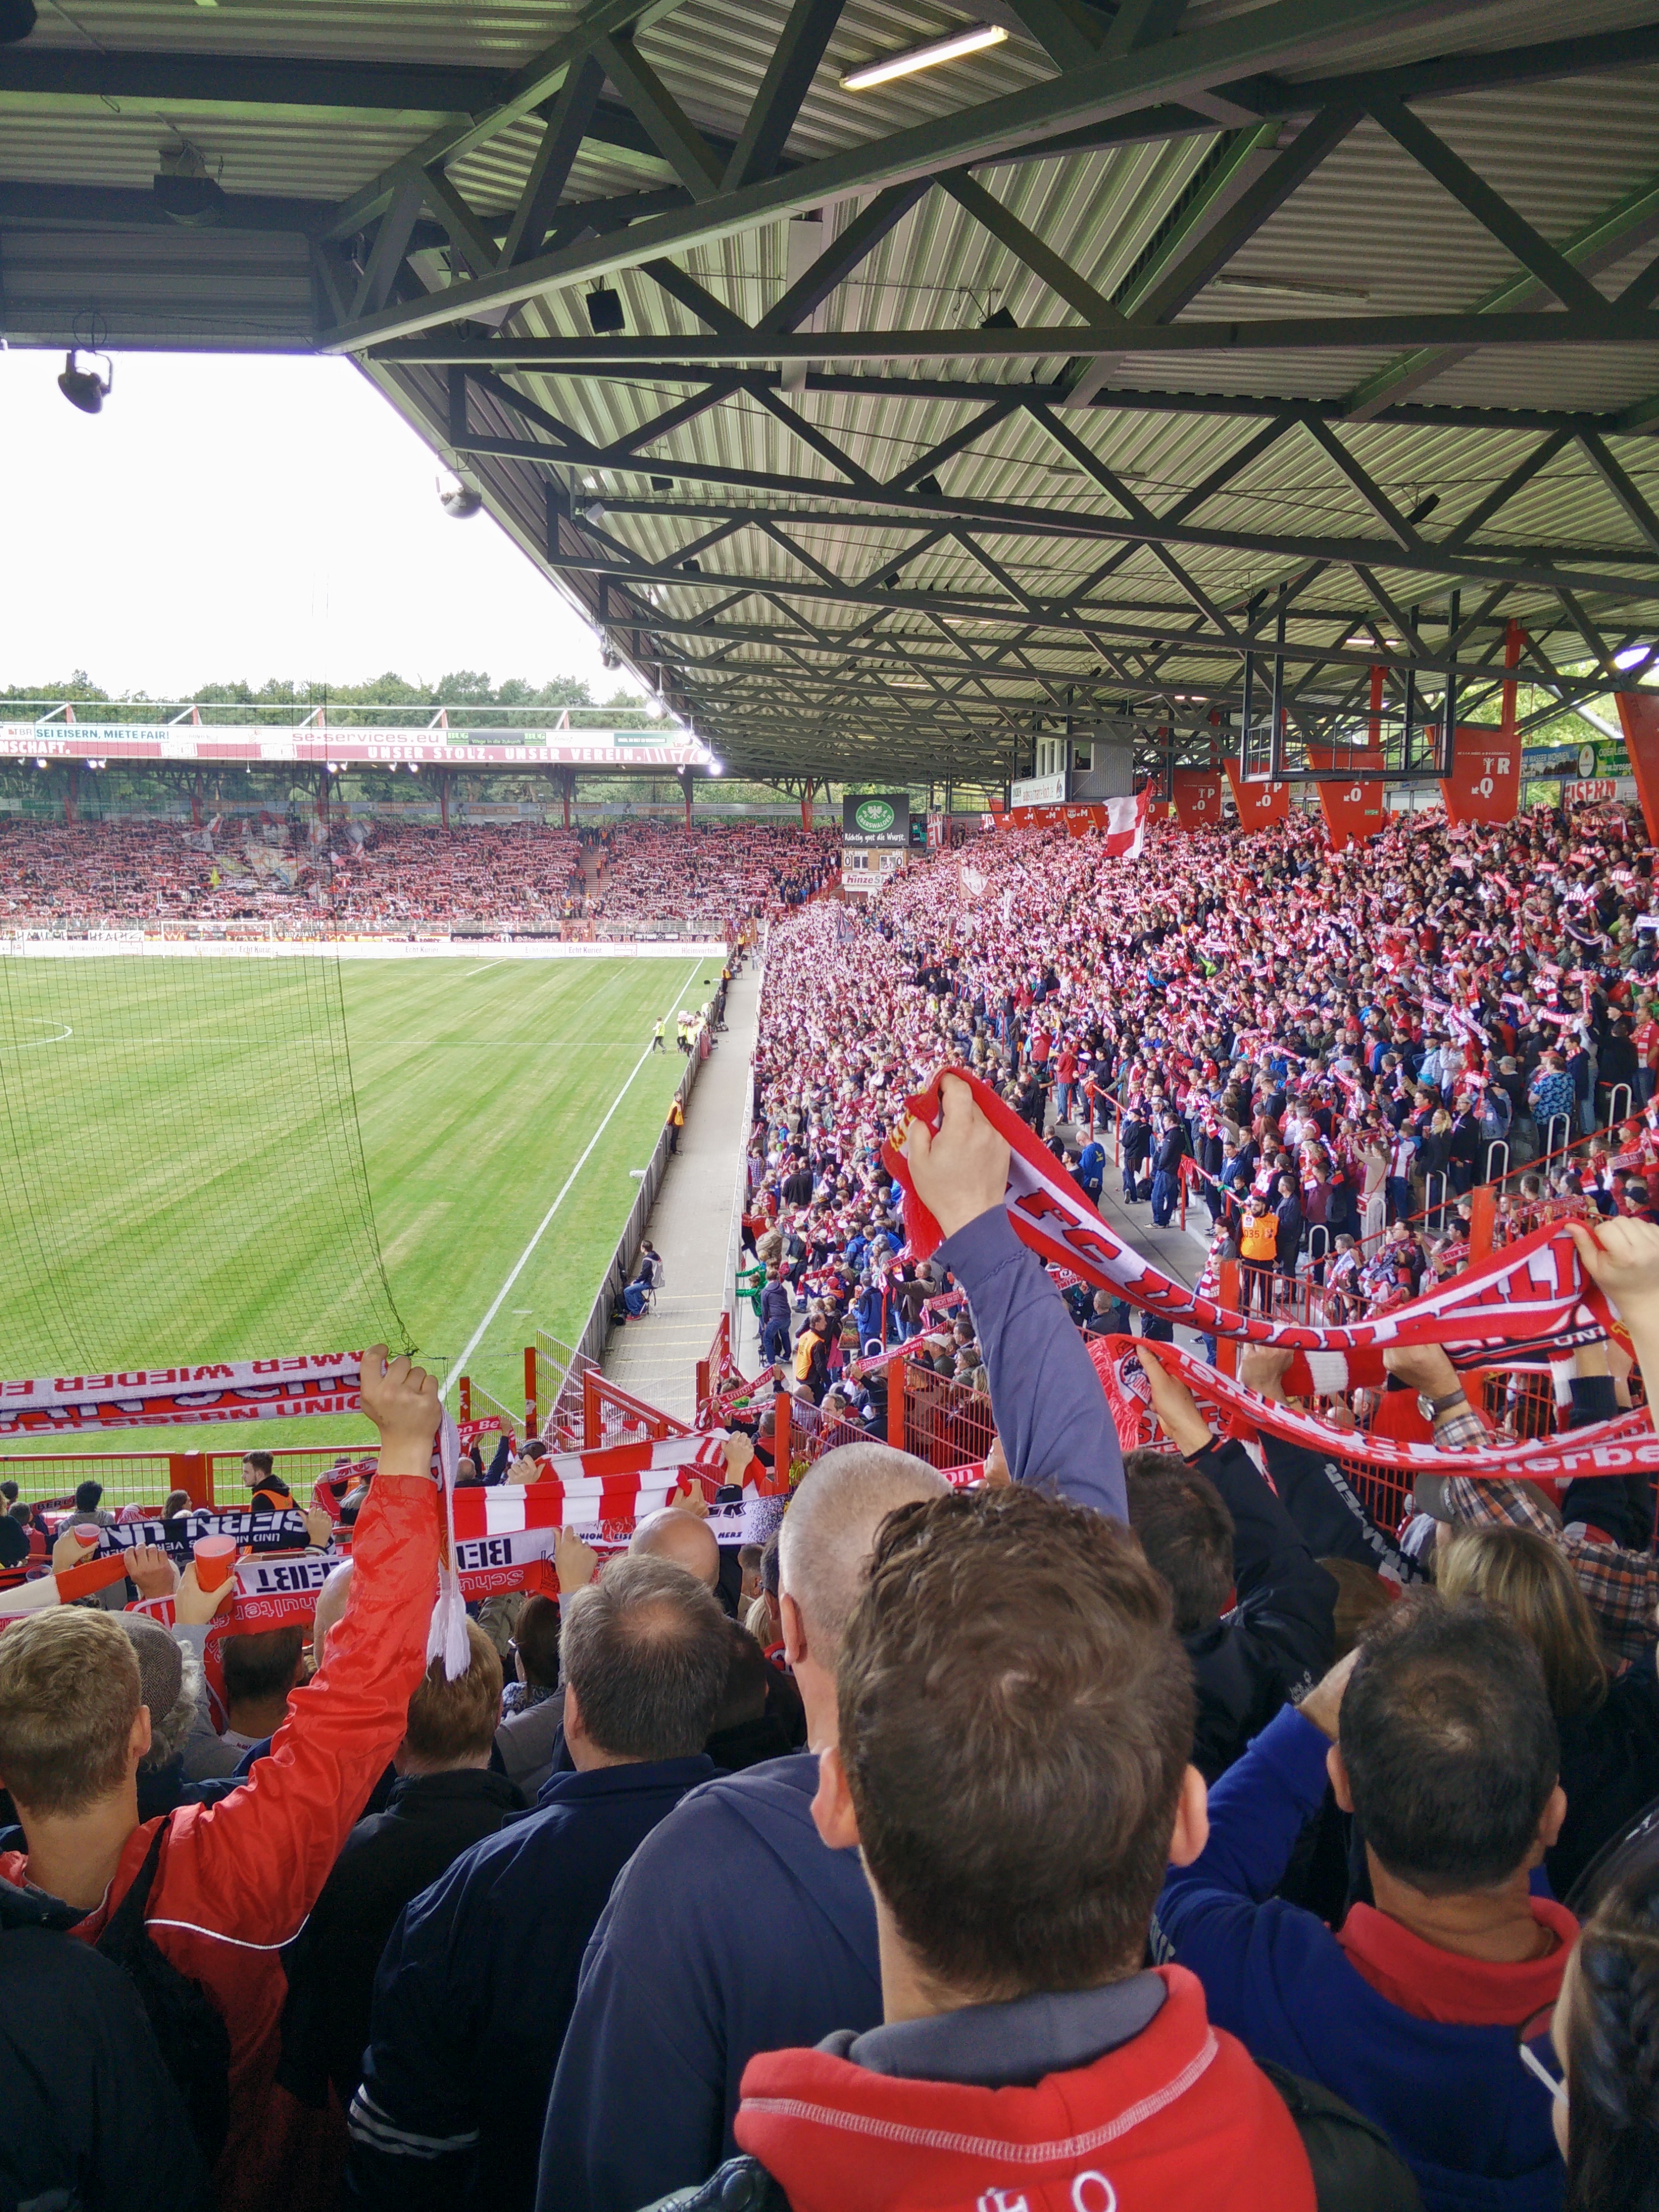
pixel 993 1546
pixel 1262 1529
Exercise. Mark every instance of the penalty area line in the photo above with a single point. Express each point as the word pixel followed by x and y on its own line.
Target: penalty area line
pixel 522 1260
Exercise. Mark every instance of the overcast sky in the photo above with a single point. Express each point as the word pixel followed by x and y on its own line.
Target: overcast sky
pixel 248 518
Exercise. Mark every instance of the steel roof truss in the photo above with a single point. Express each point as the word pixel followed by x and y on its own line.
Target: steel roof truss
pixel 1490 209
pixel 1275 33
pixel 789 74
pixel 841 256
pixel 1056 272
pixel 1618 483
pixel 568 120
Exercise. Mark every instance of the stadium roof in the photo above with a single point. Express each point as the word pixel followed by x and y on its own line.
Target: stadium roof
pixel 1060 383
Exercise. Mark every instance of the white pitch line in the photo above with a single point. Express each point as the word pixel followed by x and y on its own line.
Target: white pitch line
pixel 477 1335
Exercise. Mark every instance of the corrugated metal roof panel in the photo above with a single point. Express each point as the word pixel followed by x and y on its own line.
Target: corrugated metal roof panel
pixel 64 285
pixel 1368 233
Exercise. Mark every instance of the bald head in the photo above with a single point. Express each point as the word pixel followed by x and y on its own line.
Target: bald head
pixel 330 1604
pixel 681 1539
pixel 829 1532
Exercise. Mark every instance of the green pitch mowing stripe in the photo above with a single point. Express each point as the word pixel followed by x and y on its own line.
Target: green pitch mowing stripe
pixel 477 1093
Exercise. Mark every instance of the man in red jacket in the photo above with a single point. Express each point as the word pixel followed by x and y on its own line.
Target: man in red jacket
pixel 1013 1765
pixel 230 1884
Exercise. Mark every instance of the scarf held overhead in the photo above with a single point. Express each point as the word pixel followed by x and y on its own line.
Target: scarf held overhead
pixel 503 1539
pixel 1534 1292
pixel 1624 1445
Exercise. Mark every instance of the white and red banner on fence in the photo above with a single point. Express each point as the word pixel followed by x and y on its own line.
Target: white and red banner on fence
pixel 1532 1293
pixel 162 1397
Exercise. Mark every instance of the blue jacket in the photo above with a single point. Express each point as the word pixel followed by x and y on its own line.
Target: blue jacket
pixel 475 1988
pixel 1051 1413
pixel 732 1930
pixel 1458 2106
pixel 867 1313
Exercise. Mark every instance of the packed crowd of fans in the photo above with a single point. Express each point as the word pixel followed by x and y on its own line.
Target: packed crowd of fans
pixel 1320 1054
pixel 369 877
pixel 1110 1830
pixel 649 872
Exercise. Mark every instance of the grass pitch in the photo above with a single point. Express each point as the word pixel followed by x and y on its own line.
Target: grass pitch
pixel 478 1086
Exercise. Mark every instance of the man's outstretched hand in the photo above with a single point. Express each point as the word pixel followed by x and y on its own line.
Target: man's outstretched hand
pixel 150 1571
pixel 192 1606
pixel 1173 1403
pixel 1425 1368
pixel 402 1402
pixel 1262 1368
pixel 963 1172
pixel 1622 1258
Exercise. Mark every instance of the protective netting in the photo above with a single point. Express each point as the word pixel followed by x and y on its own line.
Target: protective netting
pixel 181 1171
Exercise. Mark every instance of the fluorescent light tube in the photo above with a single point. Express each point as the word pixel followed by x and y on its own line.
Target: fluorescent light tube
pixel 952 49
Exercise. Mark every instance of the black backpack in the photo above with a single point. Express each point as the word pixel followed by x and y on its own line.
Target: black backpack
pixel 189 2028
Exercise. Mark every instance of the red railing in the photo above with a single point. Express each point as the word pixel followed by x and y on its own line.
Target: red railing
pixel 935 1417
pixel 612 1415
pixel 475 1404
pixel 716 1375
pixel 145 1478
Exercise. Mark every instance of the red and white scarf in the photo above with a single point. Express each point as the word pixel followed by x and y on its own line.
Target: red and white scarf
pixel 1532 1293
pixel 503 1537
pixel 1624 1445
pixel 163 1397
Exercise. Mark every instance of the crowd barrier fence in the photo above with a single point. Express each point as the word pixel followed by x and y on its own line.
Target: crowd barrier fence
pixel 145 1478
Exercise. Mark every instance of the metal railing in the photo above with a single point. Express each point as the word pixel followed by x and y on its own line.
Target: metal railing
pixel 146 1478
pixel 935 1418
pixel 612 1415
pixel 475 1404
pixel 557 1370
pixel 591 1342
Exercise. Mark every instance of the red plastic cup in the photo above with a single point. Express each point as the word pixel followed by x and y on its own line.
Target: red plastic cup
pixel 215 1556
pixel 87 1537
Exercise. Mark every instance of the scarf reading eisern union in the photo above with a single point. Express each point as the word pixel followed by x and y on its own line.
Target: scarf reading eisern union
pixel 1532 1293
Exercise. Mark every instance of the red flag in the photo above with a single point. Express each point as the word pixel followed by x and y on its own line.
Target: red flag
pixel 1126 827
